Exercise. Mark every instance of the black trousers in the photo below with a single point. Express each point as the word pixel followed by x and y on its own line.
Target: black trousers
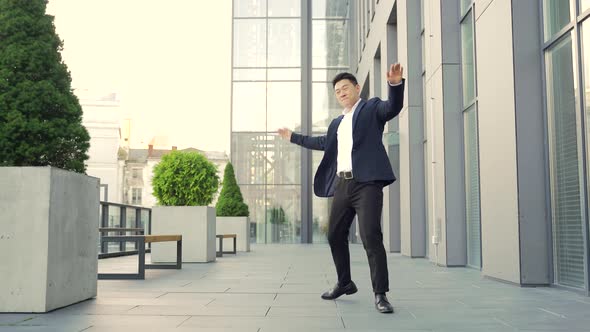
pixel 364 199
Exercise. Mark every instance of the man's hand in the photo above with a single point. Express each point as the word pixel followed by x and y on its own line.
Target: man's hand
pixel 395 74
pixel 285 133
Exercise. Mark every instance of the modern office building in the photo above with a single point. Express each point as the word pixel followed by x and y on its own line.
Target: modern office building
pixel 491 148
pixel 285 53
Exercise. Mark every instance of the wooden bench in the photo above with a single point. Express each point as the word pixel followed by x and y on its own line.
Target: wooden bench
pixel 141 240
pixel 226 236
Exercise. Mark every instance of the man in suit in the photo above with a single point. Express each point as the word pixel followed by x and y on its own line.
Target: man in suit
pixel 354 170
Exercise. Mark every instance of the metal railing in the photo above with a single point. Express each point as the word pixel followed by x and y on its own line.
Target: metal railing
pixel 115 215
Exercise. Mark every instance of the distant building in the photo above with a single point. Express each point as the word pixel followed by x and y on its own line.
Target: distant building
pixel 139 166
pixel 101 117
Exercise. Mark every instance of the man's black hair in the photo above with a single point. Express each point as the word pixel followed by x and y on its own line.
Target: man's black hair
pixel 344 76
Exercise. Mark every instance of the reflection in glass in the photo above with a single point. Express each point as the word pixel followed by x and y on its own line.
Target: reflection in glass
pixel 114 220
pixel 557 14
pixel 255 198
pixel 465 6
pixel 283 161
pixel 565 164
pixel 467 65
pixel 284 105
pixel 249 43
pixel 249 106
pixel 329 8
pixel 330 44
pixel 249 157
pixel 284 42
pixel 324 106
pixel 284 8
pixel 283 214
pixel 250 8
pixel 472 188
pixel 130 222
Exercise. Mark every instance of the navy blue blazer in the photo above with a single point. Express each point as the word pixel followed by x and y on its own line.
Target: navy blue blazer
pixel 369 159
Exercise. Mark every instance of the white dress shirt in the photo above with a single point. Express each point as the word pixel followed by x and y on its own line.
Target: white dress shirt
pixel 344 134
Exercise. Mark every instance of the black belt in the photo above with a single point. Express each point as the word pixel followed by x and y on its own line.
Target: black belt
pixel 346 175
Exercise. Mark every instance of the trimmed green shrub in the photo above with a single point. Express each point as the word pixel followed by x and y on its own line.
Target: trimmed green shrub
pixel 185 179
pixel 231 203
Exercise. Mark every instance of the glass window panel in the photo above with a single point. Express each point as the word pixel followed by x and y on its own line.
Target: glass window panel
pixel 465 6
pixel 284 42
pixel 283 161
pixel 472 188
pixel 557 14
pixel 326 75
pixel 249 157
pixel 283 214
pixel 565 164
pixel 422 14
pixel 467 66
pixel 250 8
pixel 114 220
pixel 330 44
pixel 329 8
pixel 249 75
pixel 325 107
pixel 284 8
pixel 284 105
pixel 255 198
pixel 250 43
pixel 287 74
pixel 249 106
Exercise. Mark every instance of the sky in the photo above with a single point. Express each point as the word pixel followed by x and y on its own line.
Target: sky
pixel 169 61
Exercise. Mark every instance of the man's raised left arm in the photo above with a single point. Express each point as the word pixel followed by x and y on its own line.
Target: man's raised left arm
pixel 389 109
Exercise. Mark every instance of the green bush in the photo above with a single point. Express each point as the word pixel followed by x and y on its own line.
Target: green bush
pixel 185 179
pixel 231 203
pixel 40 117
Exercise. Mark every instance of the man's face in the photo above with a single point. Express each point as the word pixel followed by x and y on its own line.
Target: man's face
pixel 347 93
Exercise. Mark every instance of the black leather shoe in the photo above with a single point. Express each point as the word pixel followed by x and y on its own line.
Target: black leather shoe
pixel 382 305
pixel 337 291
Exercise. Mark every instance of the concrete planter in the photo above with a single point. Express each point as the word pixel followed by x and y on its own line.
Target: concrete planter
pixel 48 238
pixel 235 225
pixel 196 224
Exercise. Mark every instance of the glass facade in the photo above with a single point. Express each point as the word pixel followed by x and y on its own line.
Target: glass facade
pixel 556 15
pixel 567 111
pixel 268 65
pixel 470 138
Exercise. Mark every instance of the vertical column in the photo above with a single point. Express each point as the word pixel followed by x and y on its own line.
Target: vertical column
pixel 411 172
pixel 391 197
pixel 306 123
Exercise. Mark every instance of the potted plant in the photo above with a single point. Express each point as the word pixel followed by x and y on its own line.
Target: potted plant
pixel 232 212
pixel 49 208
pixel 184 184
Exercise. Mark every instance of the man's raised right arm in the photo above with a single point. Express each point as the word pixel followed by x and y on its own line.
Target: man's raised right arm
pixel 314 143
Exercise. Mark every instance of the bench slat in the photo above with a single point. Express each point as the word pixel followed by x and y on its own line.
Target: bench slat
pixel 162 238
pixel 226 236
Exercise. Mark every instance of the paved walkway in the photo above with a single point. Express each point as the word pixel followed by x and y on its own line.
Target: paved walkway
pixel 278 287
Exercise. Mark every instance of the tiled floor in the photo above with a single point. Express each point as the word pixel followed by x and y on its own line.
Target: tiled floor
pixel 278 287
